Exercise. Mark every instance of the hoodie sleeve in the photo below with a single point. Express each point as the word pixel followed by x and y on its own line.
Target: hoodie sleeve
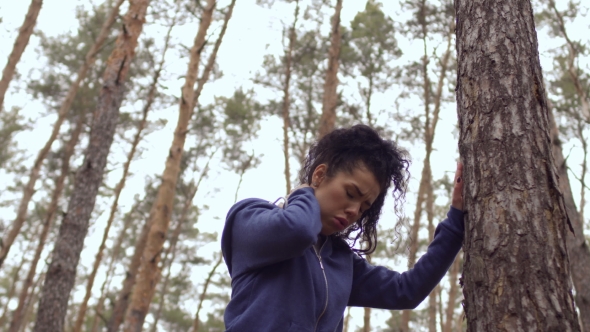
pixel 258 233
pixel 379 287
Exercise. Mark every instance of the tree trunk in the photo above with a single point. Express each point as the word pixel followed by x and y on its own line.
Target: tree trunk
pixel 111 267
pixel 162 207
pixel 516 273
pixel 123 298
pixel 29 189
pixel 286 96
pixel 119 188
pixel 29 312
pixel 576 244
pixel 346 320
pixel 22 40
pixel 61 273
pixel 11 291
pixel 328 118
pixel 367 311
pixel 450 312
pixel 432 297
pixel 204 292
pixel 429 132
pixel 49 218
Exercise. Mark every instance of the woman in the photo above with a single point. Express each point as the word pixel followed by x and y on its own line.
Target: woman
pixel 293 268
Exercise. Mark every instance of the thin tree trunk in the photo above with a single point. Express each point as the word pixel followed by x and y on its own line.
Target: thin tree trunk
pixel 174 240
pixel 204 292
pixel 450 311
pixel 62 270
pixel 123 298
pixel 516 273
pixel 429 132
pixel 367 310
pixel 286 96
pixel 577 246
pixel 346 320
pixel 432 301
pixel 22 40
pixel 330 101
pixel 119 188
pixel 29 307
pixel 111 267
pixel 162 207
pixel 572 68
pixel 49 218
pixel 15 279
pixel 584 170
pixel 29 189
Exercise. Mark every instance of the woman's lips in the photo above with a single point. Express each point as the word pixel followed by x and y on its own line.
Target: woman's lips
pixel 341 223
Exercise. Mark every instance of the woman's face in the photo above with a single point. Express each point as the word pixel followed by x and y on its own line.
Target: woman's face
pixel 344 197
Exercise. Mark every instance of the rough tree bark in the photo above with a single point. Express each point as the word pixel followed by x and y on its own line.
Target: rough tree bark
pixel 328 118
pixel 61 273
pixel 286 96
pixel 22 40
pixel 119 188
pixel 17 316
pixel 516 274
pixel 29 189
pixel 577 246
pixel 162 208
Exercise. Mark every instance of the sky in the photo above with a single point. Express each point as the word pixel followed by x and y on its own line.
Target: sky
pixel 253 32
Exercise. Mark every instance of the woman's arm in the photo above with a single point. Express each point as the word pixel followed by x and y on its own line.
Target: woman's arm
pixel 258 233
pixel 379 287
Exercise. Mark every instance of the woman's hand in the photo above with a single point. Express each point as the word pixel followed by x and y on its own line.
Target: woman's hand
pixel 457 199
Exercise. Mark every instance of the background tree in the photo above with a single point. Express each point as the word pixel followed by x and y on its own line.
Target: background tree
pixel 22 40
pixel 62 270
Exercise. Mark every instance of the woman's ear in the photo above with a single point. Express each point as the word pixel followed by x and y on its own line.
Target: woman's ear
pixel 319 174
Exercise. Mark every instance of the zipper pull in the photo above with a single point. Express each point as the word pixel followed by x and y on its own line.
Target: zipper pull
pixel 321 265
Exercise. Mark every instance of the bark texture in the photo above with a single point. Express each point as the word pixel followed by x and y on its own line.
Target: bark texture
pixel 328 118
pixel 61 273
pixel 162 208
pixel 577 246
pixel 22 40
pixel 17 315
pixel 29 189
pixel 516 274
pixel 286 96
pixel 119 188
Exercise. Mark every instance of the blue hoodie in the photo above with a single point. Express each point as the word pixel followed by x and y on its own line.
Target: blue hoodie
pixel 281 282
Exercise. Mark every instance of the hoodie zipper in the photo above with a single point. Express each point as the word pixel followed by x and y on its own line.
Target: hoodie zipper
pixel 325 280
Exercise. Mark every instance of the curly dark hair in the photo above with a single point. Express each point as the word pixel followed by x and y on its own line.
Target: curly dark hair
pixel 348 148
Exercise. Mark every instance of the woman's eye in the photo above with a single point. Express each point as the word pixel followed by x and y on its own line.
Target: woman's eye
pixel 349 195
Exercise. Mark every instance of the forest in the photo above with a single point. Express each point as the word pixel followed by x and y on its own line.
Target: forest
pixel 129 128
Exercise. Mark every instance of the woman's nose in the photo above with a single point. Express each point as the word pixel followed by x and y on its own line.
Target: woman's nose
pixel 353 210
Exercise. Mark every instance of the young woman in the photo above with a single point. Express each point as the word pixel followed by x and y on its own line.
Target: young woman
pixel 293 267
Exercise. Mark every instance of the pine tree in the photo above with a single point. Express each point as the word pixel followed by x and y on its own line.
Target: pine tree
pixel 22 40
pixel 516 272
pixel 61 273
